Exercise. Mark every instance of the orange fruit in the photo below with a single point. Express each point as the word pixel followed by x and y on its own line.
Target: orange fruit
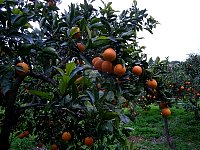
pixel 152 83
pixel 188 82
pixel 98 64
pixel 24 70
pixel 54 147
pixel 81 46
pixel 66 136
pixel 182 87
pixel 21 136
pixel 137 70
pixel 89 141
pixel 162 105
pixel 51 3
pixel 26 133
pixel 166 112
pixel 75 32
pixel 107 66
pixel 119 70
pixel 109 54
pixel 95 59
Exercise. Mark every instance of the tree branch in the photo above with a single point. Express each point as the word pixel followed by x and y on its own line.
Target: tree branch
pixel 41 77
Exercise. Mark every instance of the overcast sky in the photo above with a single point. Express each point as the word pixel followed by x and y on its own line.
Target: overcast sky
pixel 178 33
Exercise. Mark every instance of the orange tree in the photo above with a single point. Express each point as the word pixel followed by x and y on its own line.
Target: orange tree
pixel 184 83
pixel 51 85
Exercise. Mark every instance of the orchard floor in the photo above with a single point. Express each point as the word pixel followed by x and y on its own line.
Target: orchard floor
pixel 148 133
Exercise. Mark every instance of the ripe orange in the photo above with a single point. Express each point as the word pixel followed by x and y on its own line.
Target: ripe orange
pixel 95 59
pixel 26 133
pixel 188 89
pixel 97 64
pixel 107 66
pixel 188 82
pixel 54 147
pixel 152 83
pixel 24 70
pixel 89 141
pixel 182 87
pixel 162 105
pixel 81 46
pixel 21 136
pixel 166 112
pixel 119 70
pixel 66 136
pixel 137 70
pixel 51 3
pixel 109 54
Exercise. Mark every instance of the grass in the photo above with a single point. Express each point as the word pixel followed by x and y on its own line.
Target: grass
pixel 149 125
pixel 148 133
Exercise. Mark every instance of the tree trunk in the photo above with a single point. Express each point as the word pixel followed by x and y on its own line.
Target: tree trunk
pixel 166 128
pixel 10 115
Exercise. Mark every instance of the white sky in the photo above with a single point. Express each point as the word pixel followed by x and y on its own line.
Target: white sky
pixel 178 33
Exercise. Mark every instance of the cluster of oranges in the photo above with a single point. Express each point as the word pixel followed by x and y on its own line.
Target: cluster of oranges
pixel 67 136
pixel 106 64
pixel 165 111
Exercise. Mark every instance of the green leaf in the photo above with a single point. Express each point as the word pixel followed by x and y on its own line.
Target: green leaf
pixel 76 19
pixel 107 24
pixel 20 21
pixel 110 96
pixel 91 95
pixel 24 50
pixel 89 106
pixel 117 122
pixel 108 115
pixel 101 41
pixel 1 1
pixel 17 11
pixel 157 60
pixel 45 95
pixel 22 36
pixel 89 32
pixel 102 38
pixel 51 51
pixel 108 126
pixel 74 92
pixel 60 71
pixel 97 25
pixel 69 68
pixel 127 34
pixel 124 118
pixel 63 85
